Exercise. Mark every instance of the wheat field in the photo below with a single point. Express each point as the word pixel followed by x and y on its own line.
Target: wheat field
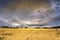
pixel 29 34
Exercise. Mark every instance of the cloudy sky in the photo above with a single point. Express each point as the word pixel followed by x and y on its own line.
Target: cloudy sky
pixel 30 12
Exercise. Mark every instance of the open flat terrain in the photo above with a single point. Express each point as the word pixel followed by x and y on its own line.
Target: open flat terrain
pixel 29 34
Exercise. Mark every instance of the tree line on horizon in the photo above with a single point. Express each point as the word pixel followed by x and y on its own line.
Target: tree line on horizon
pixel 28 27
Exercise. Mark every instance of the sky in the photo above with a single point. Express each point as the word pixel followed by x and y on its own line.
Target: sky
pixel 30 12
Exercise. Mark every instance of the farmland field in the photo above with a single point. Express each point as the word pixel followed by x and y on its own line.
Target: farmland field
pixel 29 34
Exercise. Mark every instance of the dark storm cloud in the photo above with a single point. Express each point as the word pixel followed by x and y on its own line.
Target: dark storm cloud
pixel 57 18
pixel 15 12
pixel 57 0
pixel 6 2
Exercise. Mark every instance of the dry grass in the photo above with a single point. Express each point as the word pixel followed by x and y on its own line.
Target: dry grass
pixel 29 34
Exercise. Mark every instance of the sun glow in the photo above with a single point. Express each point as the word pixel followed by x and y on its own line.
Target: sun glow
pixel 28 22
pixel 16 24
